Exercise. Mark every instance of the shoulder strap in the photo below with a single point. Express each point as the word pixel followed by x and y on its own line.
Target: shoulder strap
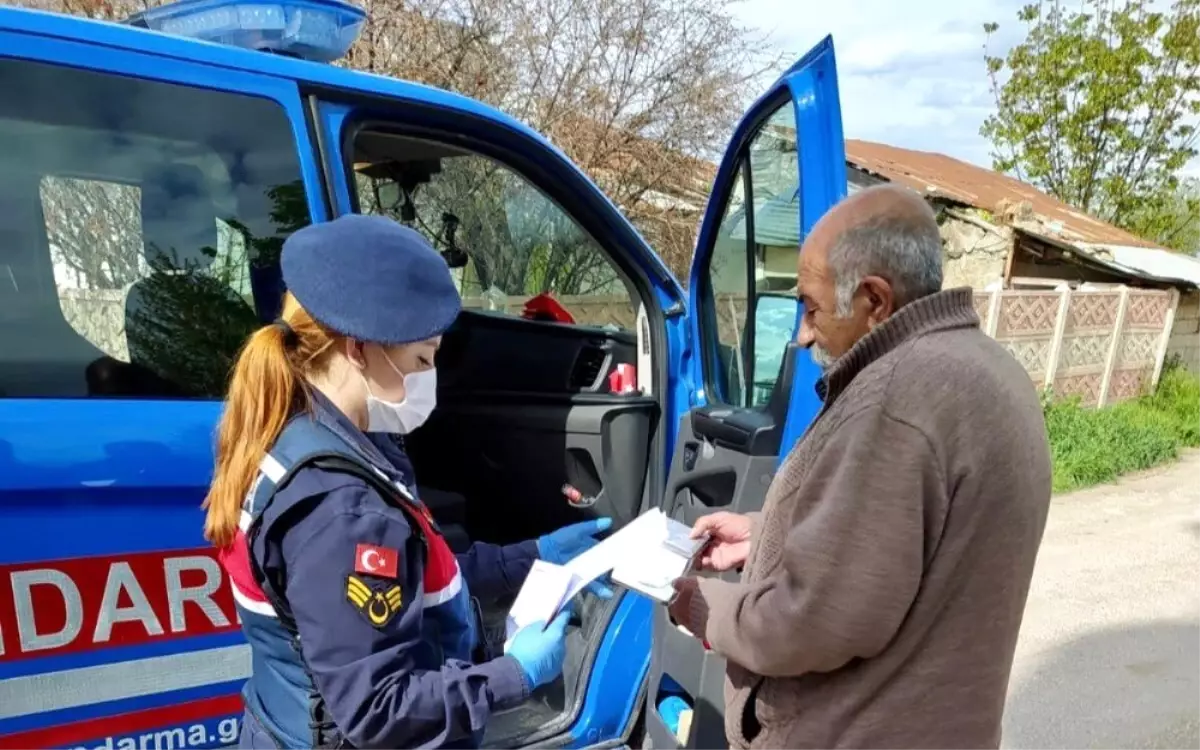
pixel 341 463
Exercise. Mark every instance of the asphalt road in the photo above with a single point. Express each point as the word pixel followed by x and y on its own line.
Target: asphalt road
pixel 1109 654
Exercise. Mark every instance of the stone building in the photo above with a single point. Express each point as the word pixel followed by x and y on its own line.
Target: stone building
pixel 1002 234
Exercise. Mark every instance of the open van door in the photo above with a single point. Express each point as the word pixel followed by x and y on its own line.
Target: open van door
pixel 784 168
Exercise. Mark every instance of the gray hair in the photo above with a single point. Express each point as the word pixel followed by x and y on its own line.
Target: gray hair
pixel 904 249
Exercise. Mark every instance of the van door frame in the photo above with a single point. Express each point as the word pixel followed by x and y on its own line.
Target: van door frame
pixel 747 441
pixel 618 667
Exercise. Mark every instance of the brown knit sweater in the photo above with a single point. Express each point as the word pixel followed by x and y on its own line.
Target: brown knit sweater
pixel 882 597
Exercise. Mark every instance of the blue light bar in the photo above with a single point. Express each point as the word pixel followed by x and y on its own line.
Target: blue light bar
pixel 317 30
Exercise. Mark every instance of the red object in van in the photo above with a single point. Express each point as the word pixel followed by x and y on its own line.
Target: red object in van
pixel 545 307
pixel 623 379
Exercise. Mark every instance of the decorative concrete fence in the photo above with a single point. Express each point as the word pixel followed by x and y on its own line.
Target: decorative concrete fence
pixel 589 309
pixel 616 310
pixel 1102 346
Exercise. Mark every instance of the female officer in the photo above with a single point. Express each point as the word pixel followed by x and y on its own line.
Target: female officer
pixel 360 619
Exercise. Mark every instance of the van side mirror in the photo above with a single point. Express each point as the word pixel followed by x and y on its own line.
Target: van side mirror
pixel 775 317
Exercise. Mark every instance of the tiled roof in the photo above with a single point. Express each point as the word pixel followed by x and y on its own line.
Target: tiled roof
pixel 938 175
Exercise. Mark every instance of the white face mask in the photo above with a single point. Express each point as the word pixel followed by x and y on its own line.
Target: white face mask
pixel 420 398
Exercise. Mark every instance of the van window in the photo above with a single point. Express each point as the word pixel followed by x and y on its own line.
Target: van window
pixel 506 241
pixel 749 288
pixel 140 230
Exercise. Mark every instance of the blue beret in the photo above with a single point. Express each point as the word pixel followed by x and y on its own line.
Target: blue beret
pixel 370 278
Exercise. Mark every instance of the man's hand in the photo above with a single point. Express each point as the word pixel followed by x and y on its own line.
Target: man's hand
pixel 729 545
pixel 680 607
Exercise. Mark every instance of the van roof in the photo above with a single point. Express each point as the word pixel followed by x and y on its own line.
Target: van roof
pixel 120 36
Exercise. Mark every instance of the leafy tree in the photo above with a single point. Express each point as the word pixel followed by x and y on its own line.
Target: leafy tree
pixel 1098 105
pixel 1182 218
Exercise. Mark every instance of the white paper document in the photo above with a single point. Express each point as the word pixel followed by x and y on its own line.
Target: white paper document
pixel 664 551
pixel 646 555
pixel 546 590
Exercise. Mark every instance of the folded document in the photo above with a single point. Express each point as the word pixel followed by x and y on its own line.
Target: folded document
pixel 546 590
pixel 664 553
pixel 646 555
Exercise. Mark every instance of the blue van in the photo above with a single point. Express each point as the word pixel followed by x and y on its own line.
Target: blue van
pixel 149 172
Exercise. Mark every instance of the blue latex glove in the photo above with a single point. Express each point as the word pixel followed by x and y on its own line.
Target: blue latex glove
pixel 564 545
pixel 540 650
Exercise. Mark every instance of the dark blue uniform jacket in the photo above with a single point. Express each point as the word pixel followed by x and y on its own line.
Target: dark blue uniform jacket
pixel 386 627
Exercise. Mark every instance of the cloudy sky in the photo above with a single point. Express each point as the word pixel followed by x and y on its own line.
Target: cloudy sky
pixel 911 73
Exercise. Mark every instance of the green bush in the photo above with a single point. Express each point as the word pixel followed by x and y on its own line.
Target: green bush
pixel 1092 446
pixel 1178 397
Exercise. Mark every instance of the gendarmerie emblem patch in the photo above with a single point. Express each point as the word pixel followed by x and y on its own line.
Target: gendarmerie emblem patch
pixel 377 605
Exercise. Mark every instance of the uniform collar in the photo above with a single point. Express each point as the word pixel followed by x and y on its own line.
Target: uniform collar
pixel 940 311
pixel 384 451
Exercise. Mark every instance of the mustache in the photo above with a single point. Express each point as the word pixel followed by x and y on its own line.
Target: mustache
pixel 821 356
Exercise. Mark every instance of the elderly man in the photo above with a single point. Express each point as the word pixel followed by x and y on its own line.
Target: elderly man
pixel 885 579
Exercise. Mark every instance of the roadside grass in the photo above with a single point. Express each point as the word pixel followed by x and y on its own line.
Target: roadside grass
pixel 1094 446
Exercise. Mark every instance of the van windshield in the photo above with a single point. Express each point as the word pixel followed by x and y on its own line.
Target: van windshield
pixel 140 229
pixel 505 240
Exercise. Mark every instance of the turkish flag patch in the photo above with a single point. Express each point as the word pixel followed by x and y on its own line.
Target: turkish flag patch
pixel 371 560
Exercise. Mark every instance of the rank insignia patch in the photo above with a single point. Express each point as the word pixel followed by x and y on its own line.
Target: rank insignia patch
pixel 378 606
